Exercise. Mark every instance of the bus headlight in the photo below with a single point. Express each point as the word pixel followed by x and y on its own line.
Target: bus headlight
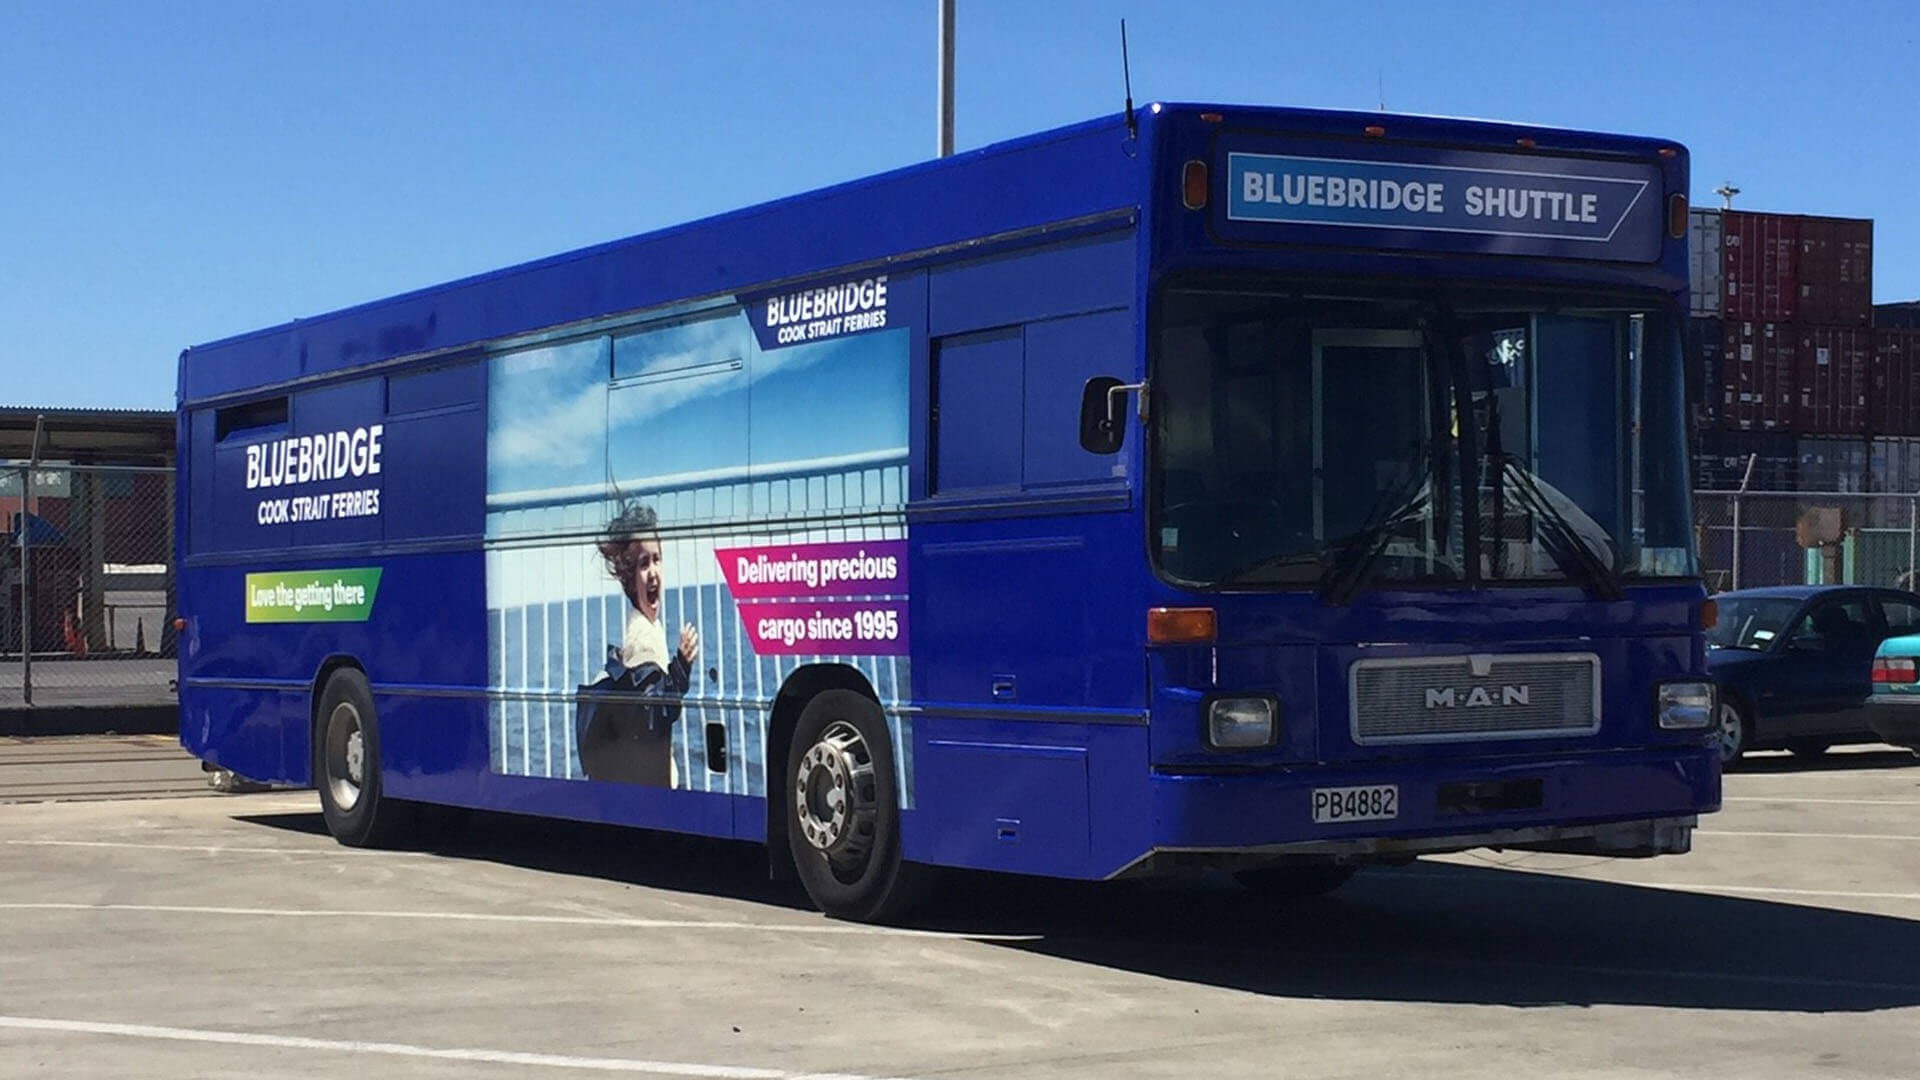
pixel 1242 723
pixel 1685 706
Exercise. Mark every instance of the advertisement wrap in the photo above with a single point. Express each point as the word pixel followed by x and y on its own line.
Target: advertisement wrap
pixel 681 512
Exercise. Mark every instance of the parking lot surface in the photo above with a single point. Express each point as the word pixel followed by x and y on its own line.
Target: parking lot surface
pixel 230 937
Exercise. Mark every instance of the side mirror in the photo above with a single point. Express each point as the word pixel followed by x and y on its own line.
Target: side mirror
pixel 1103 427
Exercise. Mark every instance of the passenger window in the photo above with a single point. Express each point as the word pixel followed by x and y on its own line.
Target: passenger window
pixel 255 418
pixel 1903 617
pixel 1836 624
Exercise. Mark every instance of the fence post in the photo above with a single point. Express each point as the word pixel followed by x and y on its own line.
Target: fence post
pixel 21 537
pixel 1738 498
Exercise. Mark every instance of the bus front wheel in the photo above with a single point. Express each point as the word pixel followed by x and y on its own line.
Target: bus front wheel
pixel 843 810
pixel 346 767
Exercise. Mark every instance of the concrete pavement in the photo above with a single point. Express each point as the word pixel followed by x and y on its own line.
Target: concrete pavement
pixel 228 936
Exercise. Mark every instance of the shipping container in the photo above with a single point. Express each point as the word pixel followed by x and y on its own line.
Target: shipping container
pixel 1893 383
pixel 1706 392
pixel 1893 468
pixel 1893 464
pixel 1831 374
pixel 1760 257
pixel 1836 271
pixel 1704 258
pixel 1758 387
pixel 1904 315
pixel 1827 463
pixel 1720 460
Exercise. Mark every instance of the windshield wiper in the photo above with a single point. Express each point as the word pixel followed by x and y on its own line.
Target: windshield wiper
pixel 1560 532
pixel 1355 562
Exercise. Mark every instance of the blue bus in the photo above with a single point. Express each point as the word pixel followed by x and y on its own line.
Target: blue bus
pixel 1265 490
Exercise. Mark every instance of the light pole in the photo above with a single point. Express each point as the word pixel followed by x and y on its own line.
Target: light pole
pixel 946 78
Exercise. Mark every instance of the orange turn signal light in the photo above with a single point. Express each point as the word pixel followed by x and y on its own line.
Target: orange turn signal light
pixel 1180 625
pixel 1677 216
pixel 180 622
pixel 1374 130
pixel 1193 185
pixel 1709 615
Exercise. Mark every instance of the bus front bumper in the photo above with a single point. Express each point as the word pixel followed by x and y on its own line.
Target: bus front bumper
pixel 1622 803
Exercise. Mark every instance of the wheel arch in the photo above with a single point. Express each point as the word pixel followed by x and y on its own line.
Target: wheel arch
pixel 803 685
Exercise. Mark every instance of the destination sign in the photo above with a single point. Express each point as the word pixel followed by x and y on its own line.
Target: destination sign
pixel 1590 209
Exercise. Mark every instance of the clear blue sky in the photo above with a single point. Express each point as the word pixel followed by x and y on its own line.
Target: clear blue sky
pixel 171 173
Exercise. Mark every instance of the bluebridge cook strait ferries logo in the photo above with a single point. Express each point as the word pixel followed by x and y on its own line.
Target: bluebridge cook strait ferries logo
pixel 1591 209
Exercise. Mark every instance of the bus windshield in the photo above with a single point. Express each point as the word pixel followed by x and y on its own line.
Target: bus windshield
pixel 1331 440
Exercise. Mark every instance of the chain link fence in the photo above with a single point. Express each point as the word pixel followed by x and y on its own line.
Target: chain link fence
pixel 86 585
pixel 1755 538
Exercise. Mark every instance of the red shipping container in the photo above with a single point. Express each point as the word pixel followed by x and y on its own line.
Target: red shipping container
pixel 1831 370
pixel 1836 271
pixel 1762 258
pixel 1760 392
pixel 1893 395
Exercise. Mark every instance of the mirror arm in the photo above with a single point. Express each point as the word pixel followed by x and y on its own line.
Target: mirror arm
pixel 1140 388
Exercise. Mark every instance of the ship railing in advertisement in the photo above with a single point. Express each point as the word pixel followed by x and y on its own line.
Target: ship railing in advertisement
pixel 555 608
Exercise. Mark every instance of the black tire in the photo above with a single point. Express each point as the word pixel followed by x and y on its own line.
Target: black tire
pixel 1732 732
pixel 356 811
pixel 1809 748
pixel 1304 882
pixel 848 859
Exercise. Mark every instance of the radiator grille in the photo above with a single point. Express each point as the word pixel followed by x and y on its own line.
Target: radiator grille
pixel 1427 699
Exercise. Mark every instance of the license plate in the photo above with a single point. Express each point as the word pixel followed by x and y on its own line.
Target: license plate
pixel 1373 802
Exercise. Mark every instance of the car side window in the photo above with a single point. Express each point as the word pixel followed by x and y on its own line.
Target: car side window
pixel 1903 616
pixel 1835 624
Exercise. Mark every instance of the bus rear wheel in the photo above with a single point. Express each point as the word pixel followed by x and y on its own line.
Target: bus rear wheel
pixel 346 768
pixel 843 811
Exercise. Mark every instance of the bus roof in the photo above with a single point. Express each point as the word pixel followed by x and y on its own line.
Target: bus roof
pixel 1080 174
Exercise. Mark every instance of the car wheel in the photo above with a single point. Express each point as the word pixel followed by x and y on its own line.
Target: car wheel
pixel 1285 883
pixel 843 807
pixel 1731 733
pixel 1808 748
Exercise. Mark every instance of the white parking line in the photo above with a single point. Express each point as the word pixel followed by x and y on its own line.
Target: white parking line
pixel 1804 835
pixel 219 849
pixel 1821 802
pixel 344 1046
pixel 550 920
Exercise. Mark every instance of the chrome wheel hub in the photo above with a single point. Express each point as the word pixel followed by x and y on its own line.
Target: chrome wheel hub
pixel 834 797
pixel 346 756
pixel 1727 733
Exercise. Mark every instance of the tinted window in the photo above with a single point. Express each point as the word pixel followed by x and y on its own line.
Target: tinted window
pixel 1903 616
pixel 1751 622
pixel 1835 624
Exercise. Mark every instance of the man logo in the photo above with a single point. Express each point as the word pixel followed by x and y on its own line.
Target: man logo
pixel 1447 697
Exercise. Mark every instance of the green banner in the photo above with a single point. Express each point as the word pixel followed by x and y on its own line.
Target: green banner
pixel 284 596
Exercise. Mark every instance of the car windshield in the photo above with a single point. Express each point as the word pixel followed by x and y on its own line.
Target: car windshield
pixel 1304 439
pixel 1751 622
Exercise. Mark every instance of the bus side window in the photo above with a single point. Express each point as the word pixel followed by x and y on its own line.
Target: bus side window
pixel 1061 355
pixel 978 392
pixel 251 420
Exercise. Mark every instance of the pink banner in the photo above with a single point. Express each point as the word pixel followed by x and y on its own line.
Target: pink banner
pixel 844 568
pixel 845 628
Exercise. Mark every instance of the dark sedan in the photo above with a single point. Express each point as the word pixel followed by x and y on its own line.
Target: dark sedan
pixel 1794 664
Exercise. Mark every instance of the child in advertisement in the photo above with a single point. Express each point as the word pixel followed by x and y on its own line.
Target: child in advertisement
pixel 631 741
